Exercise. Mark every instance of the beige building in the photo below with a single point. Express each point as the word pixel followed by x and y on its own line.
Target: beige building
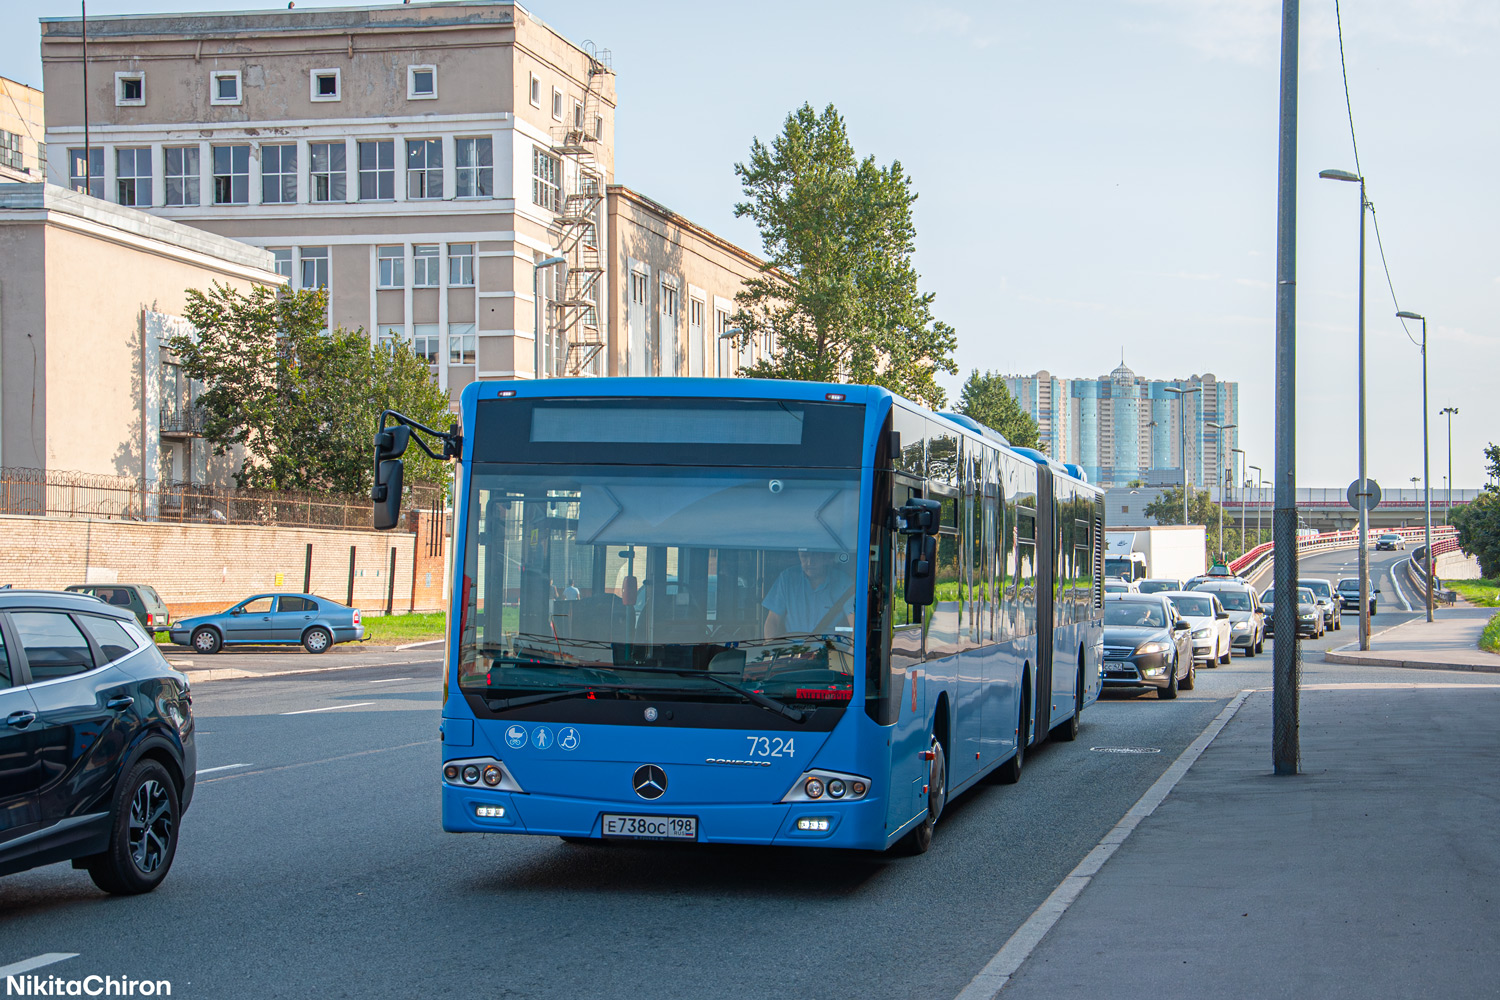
pixel 676 292
pixel 416 160
pixel 89 293
pixel 23 146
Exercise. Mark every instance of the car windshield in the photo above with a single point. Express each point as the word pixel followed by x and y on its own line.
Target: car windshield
pixel 1133 613
pixel 1305 596
pixel 1235 600
pixel 1390 538
pixel 1319 588
pixel 1349 585
pixel 1269 597
pixel 613 581
pixel 1196 607
pixel 1157 586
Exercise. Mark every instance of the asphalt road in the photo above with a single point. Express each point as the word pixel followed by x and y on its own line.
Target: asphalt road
pixel 312 863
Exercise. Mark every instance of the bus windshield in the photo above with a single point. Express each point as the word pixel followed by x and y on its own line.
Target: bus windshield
pixel 607 582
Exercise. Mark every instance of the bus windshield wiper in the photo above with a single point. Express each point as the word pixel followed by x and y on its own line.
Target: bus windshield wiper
pixel 537 699
pixel 754 697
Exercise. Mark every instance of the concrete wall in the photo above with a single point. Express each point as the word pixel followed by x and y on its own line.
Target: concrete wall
pixel 199 568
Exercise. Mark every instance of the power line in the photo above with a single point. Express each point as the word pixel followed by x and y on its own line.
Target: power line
pixel 1354 140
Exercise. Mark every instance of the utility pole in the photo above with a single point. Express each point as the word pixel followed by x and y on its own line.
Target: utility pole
pixel 1287 658
pixel 1182 395
pixel 1243 526
pixel 1450 412
pixel 1260 499
pixel 1426 470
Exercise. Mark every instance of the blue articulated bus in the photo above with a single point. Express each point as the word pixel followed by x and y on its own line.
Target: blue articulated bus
pixel 756 612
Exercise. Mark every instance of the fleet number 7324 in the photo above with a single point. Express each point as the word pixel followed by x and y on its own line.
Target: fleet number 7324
pixel 770 746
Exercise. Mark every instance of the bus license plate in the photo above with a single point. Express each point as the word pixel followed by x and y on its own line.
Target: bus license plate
pixel 651 827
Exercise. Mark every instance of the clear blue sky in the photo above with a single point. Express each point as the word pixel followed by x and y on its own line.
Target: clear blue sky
pixel 1101 175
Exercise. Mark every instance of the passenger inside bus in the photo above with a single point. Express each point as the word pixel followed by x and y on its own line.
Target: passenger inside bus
pixel 811 597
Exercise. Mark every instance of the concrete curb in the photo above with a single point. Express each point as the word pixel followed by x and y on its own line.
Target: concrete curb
pixel 1365 660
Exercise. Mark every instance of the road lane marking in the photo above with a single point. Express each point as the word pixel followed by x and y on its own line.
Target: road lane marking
pixel 37 962
pixel 389 680
pixel 221 767
pixel 997 972
pixel 330 708
pixel 325 760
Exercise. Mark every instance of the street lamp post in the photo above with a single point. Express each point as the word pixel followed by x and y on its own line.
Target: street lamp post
pixel 1241 452
pixel 1426 471
pixel 1182 395
pixel 1450 412
pixel 1221 428
pixel 726 336
pixel 536 300
pixel 1259 498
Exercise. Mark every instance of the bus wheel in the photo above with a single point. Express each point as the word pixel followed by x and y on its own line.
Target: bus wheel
pixel 920 839
pixel 1010 772
pixel 1067 732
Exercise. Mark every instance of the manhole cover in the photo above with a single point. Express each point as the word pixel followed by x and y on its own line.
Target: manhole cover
pixel 1125 749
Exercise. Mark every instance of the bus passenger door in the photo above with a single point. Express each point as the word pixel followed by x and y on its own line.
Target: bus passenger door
pixel 908 651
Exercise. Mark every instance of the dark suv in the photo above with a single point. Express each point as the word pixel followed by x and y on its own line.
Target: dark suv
pixel 97 760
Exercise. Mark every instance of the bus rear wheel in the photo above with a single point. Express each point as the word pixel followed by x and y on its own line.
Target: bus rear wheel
pixel 1010 772
pixel 1067 732
pixel 920 839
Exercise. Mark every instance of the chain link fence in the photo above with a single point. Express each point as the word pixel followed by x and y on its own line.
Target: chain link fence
pixel 50 493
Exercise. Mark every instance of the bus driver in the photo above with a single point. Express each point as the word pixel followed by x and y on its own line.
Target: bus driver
pixel 809 598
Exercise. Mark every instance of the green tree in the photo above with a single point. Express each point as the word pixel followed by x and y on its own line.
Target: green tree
pixel 986 399
pixel 1478 523
pixel 302 402
pixel 838 295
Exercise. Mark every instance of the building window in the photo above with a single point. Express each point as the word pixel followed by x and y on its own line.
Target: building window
pixel 87 175
pixel 278 174
pixel 425 266
pixel 231 175
pixel 421 83
pixel 475 174
pixel 426 341
pixel 424 168
pixel 637 287
pixel 224 87
pixel 377 170
pixel 181 174
pixel 669 301
pixel 130 90
pixel 599 127
pixel 314 267
pixel 578 115
pixel 460 265
pixel 546 172
pixel 133 177
pixel 557 104
pixel 462 346
pixel 325 85
pixel 10 150
pixel 327 171
pixel 695 312
pixel 392 266
pixel 283 263
pixel 536 91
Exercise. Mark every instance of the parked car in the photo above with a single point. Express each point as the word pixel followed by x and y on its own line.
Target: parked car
pixel 273 619
pixel 1146 644
pixel 1115 585
pixel 1348 590
pixel 1328 602
pixel 1158 585
pixel 1247 620
pixel 1210 622
pixel 142 600
pixel 1390 541
pixel 1309 615
pixel 97 755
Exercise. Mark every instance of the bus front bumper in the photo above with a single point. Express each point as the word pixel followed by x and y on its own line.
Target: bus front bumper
pixel 859 824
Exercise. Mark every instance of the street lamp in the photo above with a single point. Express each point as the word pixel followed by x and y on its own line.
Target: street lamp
pixel 1364 489
pixel 1426 471
pixel 1259 499
pixel 725 336
pixel 1182 439
pixel 1241 452
pixel 1450 412
pixel 536 301
pixel 1221 428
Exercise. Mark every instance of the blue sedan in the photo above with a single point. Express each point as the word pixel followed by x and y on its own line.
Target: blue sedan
pixel 315 623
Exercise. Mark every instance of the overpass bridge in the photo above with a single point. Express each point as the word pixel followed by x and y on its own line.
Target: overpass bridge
pixel 1329 510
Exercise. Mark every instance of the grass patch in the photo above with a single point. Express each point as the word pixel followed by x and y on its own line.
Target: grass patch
pixel 1485 593
pixel 397 630
pixel 1489 640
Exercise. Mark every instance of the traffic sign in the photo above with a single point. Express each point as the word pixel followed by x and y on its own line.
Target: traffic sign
pixel 1372 499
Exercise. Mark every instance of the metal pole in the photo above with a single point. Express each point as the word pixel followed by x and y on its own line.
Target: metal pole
pixel 1259 499
pixel 1449 412
pixel 88 151
pixel 1364 485
pixel 536 305
pixel 1285 750
pixel 1426 475
pixel 1182 449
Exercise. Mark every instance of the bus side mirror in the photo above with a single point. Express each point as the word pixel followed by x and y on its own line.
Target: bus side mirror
pixel 390 444
pixel 921 569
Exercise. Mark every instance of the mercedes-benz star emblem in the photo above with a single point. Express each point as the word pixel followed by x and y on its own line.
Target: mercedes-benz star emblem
pixel 651 715
pixel 650 781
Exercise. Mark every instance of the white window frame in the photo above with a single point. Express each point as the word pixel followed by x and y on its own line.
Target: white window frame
pixel 304 258
pixel 338 85
pixel 331 173
pixel 121 101
pixel 541 185
pixel 557 105
pixel 390 264
pixel 430 335
pixel 468 334
pixel 464 277
pixel 412 93
pixel 281 173
pixel 284 265
pixel 215 76
pixel 189 181
pixel 535 93
pixel 423 177
pixel 474 172
pixel 578 114
pixel 142 190
pixel 427 265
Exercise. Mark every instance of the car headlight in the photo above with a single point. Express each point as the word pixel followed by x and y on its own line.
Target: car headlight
pixel 1240 627
pixel 1310 614
pixel 1151 647
pixel 1202 633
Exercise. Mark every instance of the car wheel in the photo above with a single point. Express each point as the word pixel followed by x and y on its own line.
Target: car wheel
pixel 1187 683
pixel 1253 646
pixel 1170 691
pixel 142 833
pixel 1228 651
pixel 317 639
pixel 1010 772
pixel 206 641
pixel 920 839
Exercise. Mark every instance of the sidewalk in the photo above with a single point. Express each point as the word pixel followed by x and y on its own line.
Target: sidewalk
pixel 1450 642
pixel 1370 875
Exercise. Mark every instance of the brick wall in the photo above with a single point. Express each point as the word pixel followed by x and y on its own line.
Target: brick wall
pixel 207 567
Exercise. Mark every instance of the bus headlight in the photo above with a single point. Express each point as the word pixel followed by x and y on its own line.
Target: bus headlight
pixel 480 772
pixel 818 784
